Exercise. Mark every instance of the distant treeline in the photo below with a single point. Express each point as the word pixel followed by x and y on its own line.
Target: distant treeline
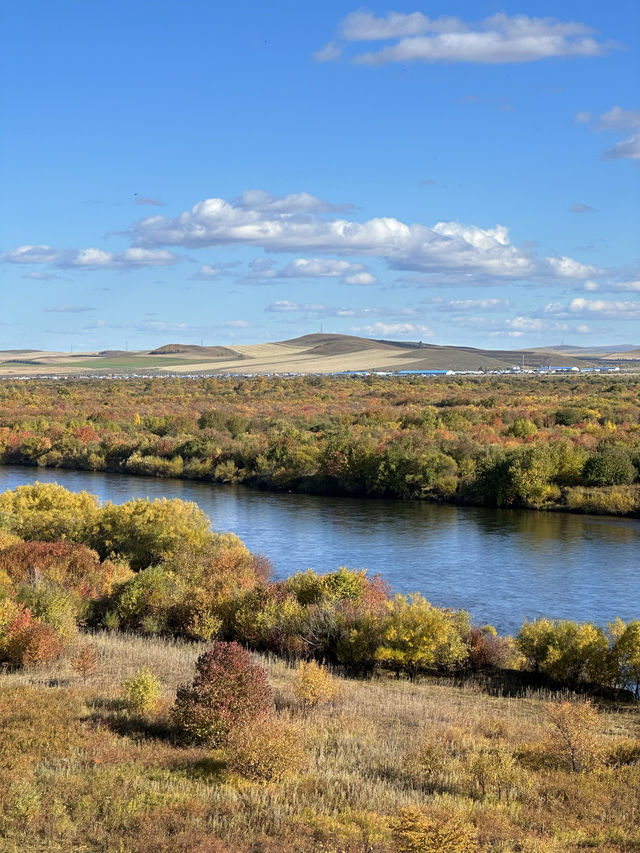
pixel 569 443
pixel 156 568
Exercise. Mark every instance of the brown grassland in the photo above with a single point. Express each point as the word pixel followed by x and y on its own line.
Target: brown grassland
pixel 391 766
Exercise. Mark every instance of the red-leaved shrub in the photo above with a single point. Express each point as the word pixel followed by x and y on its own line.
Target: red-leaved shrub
pixel 229 690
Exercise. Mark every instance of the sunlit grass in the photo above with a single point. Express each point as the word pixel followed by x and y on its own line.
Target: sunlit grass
pixel 82 772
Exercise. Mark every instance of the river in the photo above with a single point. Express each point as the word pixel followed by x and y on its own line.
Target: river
pixel 501 565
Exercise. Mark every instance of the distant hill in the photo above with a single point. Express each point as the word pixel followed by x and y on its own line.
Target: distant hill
pixel 315 353
pixel 624 355
pixel 586 351
pixel 193 349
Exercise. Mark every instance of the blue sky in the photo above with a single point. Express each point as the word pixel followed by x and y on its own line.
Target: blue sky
pixel 459 173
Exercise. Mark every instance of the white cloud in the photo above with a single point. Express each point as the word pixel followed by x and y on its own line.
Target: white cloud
pixel 360 278
pixel 284 306
pixel 30 255
pixel 446 247
pixel 259 200
pixel 347 272
pixel 318 268
pixel 526 324
pixel 463 305
pixel 568 268
pixel 498 39
pixel 598 308
pixel 207 272
pixel 617 120
pixel 131 258
pixel 398 330
pixel 314 310
pixel 328 53
pixel 364 26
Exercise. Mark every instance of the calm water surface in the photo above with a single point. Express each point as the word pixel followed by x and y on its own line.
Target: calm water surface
pixel 501 565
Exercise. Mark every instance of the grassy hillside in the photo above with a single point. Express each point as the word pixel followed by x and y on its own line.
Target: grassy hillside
pixel 316 353
pixel 82 772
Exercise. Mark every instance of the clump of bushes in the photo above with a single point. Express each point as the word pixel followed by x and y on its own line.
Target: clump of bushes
pixel 229 690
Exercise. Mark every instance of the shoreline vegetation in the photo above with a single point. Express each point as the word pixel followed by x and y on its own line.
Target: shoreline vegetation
pixel 155 568
pixel 561 443
pixel 158 691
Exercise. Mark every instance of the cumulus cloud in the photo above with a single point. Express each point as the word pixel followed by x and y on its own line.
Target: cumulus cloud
pixel 131 258
pixel 498 39
pixel 207 272
pixel 610 309
pixel 446 247
pixel 128 259
pixel 346 271
pixel 618 120
pixel 30 255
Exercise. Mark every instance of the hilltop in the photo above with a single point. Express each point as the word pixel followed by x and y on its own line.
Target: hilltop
pixel 314 353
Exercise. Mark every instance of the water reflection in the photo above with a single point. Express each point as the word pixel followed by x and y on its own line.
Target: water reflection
pixel 502 565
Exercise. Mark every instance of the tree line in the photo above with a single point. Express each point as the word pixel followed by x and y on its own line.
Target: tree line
pixel 555 443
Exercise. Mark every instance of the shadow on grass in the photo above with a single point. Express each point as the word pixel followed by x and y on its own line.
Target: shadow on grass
pixel 115 715
pixel 208 769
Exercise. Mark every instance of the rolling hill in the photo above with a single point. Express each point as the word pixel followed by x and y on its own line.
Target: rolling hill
pixel 316 353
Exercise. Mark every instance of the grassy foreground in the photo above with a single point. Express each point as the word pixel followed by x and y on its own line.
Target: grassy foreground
pixel 80 772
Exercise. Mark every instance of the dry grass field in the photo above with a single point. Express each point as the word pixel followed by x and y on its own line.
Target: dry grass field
pixel 81 772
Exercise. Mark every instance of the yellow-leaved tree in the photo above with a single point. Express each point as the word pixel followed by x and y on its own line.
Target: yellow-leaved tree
pixel 419 636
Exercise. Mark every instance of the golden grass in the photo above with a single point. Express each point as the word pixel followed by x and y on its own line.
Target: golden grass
pixel 106 780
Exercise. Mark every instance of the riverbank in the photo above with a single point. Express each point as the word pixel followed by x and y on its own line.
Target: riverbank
pixel 503 565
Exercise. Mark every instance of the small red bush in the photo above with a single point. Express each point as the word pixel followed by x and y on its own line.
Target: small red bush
pixel 229 690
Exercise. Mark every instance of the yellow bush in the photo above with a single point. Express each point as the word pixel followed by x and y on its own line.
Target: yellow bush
pixel 268 750
pixel 576 731
pixel 142 691
pixel 314 684
pixel 415 831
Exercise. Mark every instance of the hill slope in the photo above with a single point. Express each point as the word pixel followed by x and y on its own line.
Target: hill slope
pixel 316 353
